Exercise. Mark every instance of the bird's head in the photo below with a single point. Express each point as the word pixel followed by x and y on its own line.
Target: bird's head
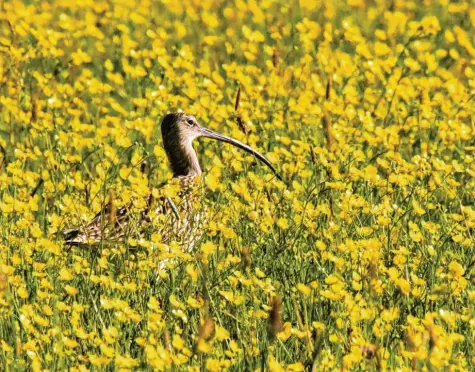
pixel 179 129
pixel 178 132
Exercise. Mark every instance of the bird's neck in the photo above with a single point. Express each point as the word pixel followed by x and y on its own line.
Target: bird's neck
pixel 184 161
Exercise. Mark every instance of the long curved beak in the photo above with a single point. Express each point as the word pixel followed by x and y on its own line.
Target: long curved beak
pixel 210 134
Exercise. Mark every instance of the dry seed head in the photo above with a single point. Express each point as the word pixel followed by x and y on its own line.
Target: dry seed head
pixel 246 258
pixel 167 341
pixel 275 316
pixel 239 121
pixel 3 157
pixel 432 337
pixel 3 282
pixel 238 99
pixel 241 124
pixel 275 57
pixel 328 89
pixel 206 330
pixel 410 340
pixel 326 120
pixel 18 346
pixel 112 210
pixel 34 110
pixel 297 312
pixel 312 154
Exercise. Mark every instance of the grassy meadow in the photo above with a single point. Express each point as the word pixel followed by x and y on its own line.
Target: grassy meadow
pixel 361 260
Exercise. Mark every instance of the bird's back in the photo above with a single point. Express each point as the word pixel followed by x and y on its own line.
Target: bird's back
pixel 114 225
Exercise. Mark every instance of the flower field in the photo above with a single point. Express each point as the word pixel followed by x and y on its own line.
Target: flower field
pixel 362 258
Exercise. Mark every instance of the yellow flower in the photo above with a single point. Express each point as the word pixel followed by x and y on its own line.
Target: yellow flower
pixel 296 367
pixel 417 207
pixel 221 333
pixel 213 365
pixel 71 290
pixel 125 362
pixel 305 290
pixel 79 57
pixel 206 249
pixel 96 360
pixel 274 366
pixel 65 274
pixel 178 342
pixel 22 292
pixel 456 270
pixel 283 223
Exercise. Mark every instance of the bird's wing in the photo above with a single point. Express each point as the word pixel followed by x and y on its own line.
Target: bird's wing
pixel 106 225
pixel 111 225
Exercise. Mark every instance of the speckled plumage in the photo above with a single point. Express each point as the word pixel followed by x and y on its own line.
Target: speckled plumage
pixel 113 225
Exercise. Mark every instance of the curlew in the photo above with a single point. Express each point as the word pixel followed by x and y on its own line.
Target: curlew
pixel 179 130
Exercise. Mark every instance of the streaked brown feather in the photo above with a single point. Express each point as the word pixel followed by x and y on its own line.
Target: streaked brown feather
pixel 178 132
pixel 112 228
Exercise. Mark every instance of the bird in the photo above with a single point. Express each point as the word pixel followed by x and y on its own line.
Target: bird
pixel 181 221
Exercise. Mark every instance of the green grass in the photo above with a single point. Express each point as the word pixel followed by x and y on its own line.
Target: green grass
pixel 361 260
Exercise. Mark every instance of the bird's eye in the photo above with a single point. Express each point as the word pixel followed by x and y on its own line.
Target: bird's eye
pixel 190 122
